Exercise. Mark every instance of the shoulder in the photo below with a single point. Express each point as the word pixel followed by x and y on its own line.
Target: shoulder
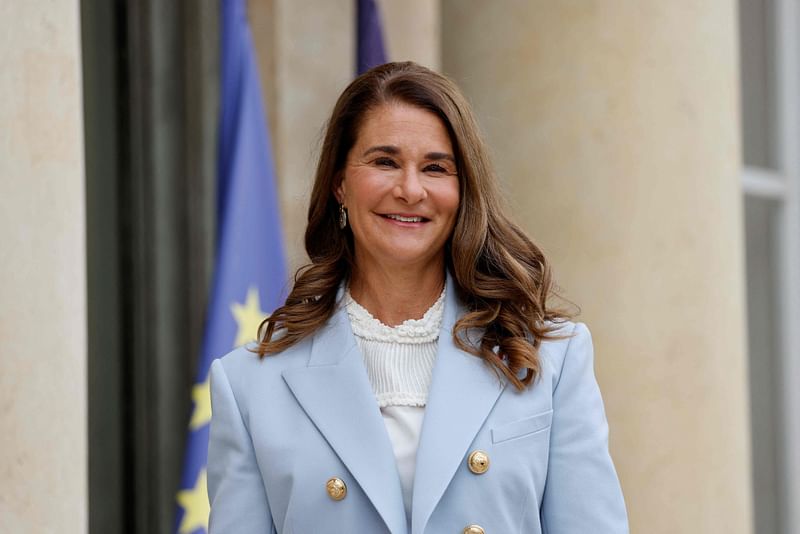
pixel 569 341
pixel 247 373
pixel 245 359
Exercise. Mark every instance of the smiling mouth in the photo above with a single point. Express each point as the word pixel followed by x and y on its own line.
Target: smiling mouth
pixel 404 218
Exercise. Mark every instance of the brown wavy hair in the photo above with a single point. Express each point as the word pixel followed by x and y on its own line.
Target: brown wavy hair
pixel 501 276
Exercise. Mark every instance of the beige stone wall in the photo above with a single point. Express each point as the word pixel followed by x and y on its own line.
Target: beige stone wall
pixel 412 31
pixel 43 414
pixel 614 126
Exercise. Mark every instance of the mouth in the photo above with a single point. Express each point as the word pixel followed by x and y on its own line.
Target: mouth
pixel 405 218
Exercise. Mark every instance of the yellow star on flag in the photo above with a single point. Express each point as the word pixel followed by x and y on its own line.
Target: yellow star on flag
pixel 201 414
pixel 248 317
pixel 195 506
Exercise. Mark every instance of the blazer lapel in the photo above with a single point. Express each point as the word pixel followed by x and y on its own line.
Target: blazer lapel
pixel 335 392
pixel 463 391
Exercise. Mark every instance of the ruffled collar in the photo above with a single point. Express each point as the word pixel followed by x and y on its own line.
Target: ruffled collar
pixel 411 331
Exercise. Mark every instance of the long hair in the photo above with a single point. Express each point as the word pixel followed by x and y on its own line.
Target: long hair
pixel 500 274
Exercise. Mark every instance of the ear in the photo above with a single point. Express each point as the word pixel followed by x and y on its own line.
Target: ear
pixel 340 191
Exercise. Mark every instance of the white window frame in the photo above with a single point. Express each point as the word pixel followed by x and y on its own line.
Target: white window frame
pixel 783 187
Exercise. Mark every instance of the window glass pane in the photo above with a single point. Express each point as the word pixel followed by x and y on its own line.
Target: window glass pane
pixel 757 54
pixel 763 330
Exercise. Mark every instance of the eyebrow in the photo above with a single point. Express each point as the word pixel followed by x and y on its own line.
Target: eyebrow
pixel 393 150
pixel 440 155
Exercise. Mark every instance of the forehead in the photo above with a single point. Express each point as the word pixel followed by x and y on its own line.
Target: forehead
pixel 402 124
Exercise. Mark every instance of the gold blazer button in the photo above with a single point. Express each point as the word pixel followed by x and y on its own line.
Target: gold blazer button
pixel 478 463
pixel 474 529
pixel 337 489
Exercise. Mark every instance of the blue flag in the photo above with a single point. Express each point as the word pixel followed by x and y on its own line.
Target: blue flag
pixel 250 271
pixel 371 50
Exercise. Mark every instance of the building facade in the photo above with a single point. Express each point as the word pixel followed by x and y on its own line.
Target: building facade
pixel 649 147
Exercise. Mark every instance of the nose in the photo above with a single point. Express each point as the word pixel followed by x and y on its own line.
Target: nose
pixel 410 188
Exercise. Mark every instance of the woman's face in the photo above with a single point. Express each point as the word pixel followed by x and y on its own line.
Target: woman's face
pixel 400 187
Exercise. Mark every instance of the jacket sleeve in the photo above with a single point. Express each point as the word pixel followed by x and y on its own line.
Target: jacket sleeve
pixel 235 489
pixel 582 493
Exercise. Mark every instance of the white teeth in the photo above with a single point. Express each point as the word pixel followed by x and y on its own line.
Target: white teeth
pixel 404 219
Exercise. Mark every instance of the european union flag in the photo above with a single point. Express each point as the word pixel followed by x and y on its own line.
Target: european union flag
pixel 370 51
pixel 250 274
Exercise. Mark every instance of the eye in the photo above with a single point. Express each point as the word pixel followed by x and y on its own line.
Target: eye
pixel 385 162
pixel 435 168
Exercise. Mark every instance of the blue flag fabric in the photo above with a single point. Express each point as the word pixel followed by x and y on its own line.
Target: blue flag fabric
pixel 371 50
pixel 250 270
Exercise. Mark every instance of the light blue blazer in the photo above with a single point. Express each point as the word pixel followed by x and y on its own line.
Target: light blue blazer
pixel 284 425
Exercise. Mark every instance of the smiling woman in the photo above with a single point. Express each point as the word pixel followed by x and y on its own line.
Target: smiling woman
pixel 418 378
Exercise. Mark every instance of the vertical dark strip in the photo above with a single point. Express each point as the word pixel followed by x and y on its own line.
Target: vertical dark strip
pixel 136 261
pixel 127 520
pixel 150 100
pixel 105 140
pixel 201 67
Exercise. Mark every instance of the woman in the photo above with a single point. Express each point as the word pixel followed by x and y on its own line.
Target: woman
pixel 417 379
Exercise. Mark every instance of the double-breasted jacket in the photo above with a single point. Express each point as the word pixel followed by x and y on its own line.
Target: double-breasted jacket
pixel 285 426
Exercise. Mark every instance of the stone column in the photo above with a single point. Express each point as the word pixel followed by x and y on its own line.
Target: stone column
pixel 43 389
pixel 615 128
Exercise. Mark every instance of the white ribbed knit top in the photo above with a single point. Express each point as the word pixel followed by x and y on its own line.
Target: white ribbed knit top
pixel 399 362
pixel 399 359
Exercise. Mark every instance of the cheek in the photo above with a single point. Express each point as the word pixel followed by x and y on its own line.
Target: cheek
pixel 449 200
pixel 367 188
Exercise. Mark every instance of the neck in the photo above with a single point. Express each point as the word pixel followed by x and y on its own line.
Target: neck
pixel 396 295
